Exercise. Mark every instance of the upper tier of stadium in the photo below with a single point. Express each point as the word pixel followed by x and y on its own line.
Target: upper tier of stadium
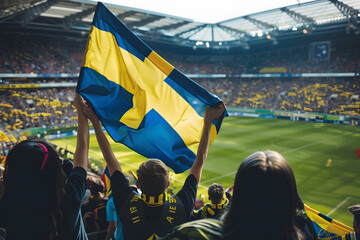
pixel 74 17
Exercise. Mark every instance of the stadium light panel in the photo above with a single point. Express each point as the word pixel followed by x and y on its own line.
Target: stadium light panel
pixel 132 19
pixel 52 15
pixel 89 20
pixel 66 9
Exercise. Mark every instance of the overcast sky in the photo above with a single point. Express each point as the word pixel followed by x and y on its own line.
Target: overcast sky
pixel 209 11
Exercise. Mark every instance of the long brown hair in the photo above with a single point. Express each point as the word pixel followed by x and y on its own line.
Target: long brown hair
pixel 264 200
pixel 33 173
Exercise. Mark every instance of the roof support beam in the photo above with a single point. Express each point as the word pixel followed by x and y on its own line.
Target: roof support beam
pixel 239 35
pixel 349 12
pixel 173 26
pixel 75 18
pixel 124 15
pixel 147 20
pixel 297 16
pixel 29 14
pixel 234 32
pixel 259 23
pixel 194 30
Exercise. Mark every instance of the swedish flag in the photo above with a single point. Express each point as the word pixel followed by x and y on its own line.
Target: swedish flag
pixel 105 178
pixel 326 227
pixel 142 101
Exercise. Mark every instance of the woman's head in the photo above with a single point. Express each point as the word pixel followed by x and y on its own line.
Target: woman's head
pixel 33 182
pixel 32 160
pixel 265 197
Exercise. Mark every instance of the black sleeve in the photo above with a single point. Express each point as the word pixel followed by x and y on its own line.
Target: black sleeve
pixel 75 186
pixel 120 189
pixel 187 194
pixel 71 226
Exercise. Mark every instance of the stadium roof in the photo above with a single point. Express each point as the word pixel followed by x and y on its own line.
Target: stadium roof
pixel 75 17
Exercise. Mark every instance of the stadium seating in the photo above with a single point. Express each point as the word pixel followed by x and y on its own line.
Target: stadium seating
pixel 53 106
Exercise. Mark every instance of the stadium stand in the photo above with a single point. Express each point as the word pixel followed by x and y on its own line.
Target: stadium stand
pixel 36 107
pixel 53 55
pixel 329 95
pixel 41 55
pixel 31 105
pixel 317 95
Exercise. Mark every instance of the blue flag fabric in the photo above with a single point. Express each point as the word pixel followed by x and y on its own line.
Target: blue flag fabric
pixel 142 101
pixel 325 227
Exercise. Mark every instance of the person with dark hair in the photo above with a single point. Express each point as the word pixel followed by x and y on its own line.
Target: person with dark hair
pixel 265 200
pixel 153 214
pixel 355 210
pixel 265 206
pixel 95 202
pixel 216 208
pixel 39 201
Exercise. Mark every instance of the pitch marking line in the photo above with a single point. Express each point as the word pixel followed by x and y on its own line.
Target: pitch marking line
pixel 339 205
pixel 212 179
pixel 289 151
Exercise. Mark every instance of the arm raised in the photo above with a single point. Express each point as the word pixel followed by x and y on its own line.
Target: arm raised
pixel 103 142
pixel 211 114
pixel 82 142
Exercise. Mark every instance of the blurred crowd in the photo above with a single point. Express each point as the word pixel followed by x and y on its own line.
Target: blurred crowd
pixel 36 107
pixel 43 55
pixel 320 95
pixel 22 109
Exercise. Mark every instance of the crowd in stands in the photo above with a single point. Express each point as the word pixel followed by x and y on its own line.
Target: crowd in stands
pixel 57 205
pixel 21 109
pixel 329 95
pixel 40 55
pixel 64 200
pixel 43 55
pixel 28 108
pixel 37 107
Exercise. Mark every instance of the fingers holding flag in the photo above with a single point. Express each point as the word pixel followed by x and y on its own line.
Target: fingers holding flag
pixel 215 112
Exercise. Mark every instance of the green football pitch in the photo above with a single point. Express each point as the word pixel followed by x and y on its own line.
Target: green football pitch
pixel 327 186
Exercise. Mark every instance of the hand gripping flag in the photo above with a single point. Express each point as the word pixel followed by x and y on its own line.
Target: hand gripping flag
pixel 326 227
pixel 142 101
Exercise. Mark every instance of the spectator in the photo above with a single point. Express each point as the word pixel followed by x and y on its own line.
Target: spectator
pixel 218 203
pixel 52 206
pixel 355 210
pixel 265 201
pixel 265 205
pixel 152 215
pixel 96 187
pixel 115 227
pixel 95 202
